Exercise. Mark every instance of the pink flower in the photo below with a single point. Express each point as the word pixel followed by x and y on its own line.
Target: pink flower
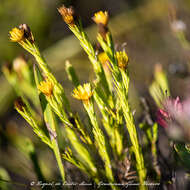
pixel 162 116
pixel 172 108
pixel 175 118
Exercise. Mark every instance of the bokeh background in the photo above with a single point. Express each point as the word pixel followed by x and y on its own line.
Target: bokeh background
pixel 142 27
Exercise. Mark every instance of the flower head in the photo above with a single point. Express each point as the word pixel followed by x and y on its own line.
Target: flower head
pixel 67 14
pixel 83 93
pixel 46 87
pixel 175 118
pixel 163 118
pixel 101 18
pixel 16 35
pixel 172 111
pixel 103 57
pixel 122 59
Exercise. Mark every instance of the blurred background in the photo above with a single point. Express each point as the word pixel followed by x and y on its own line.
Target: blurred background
pixel 151 31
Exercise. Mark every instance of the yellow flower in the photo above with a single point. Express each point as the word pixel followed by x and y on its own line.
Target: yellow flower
pixel 103 57
pixel 101 18
pixel 16 35
pixel 46 87
pixel 67 14
pixel 122 59
pixel 83 93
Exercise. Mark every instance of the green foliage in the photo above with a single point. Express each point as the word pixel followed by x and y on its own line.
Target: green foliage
pixel 94 147
pixel 183 152
pixel 159 89
pixel 4 178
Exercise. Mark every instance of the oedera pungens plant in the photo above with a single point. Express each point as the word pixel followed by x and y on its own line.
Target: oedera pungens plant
pixel 106 140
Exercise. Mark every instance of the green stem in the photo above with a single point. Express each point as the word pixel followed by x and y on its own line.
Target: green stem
pixel 58 158
pixel 100 140
pixel 134 140
pixel 88 48
pixel 121 81
pixel 31 48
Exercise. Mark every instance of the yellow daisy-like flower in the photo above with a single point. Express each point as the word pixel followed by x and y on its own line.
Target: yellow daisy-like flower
pixel 83 93
pixel 46 87
pixel 16 35
pixel 122 59
pixel 101 18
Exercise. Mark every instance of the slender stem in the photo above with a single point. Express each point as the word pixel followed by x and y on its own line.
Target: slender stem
pixel 134 140
pixel 88 48
pixel 58 158
pixel 100 140
pixel 121 81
